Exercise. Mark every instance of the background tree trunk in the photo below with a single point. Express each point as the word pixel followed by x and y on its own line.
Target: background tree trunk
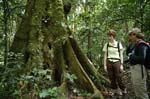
pixel 5 16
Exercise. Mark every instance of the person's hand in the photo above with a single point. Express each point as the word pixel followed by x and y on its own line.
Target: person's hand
pixel 121 68
pixel 105 68
pixel 129 54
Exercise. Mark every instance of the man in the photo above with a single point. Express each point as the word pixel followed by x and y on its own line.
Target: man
pixel 136 59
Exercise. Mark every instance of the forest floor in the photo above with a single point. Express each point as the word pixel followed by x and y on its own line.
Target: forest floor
pixel 130 92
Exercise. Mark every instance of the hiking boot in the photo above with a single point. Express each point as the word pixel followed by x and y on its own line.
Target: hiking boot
pixel 119 92
pixel 111 94
pixel 124 91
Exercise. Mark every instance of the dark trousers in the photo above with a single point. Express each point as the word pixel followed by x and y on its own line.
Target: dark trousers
pixel 115 75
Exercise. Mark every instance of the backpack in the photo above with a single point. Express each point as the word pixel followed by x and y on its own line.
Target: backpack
pixel 147 60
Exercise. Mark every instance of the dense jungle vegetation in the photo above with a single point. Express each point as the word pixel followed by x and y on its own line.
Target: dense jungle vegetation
pixel 52 49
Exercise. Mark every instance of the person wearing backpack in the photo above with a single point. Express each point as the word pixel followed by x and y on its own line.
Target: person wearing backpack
pixel 137 59
pixel 113 63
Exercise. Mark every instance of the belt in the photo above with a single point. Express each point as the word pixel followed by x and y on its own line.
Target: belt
pixel 113 61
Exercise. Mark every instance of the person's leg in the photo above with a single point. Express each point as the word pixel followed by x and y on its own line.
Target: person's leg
pixel 112 79
pixel 148 82
pixel 111 75
pixel 139 82
pixel 119 75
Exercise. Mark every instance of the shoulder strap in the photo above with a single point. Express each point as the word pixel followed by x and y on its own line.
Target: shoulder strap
pixel 118 45
pixel 107 49
pixel 141 42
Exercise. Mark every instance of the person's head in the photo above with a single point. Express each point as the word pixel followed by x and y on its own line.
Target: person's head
pixel 135 33
pixel 111 34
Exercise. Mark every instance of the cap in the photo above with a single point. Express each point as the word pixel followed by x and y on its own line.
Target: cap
pixel 137 32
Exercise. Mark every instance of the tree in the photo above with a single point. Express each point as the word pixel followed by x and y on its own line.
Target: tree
pixel 44 39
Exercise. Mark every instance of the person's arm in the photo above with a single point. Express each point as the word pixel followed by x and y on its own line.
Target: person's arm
pixel 105 57
pixel 121 56
pixel 105 61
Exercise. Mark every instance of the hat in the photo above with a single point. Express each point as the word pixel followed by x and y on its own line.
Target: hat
pixel 137 32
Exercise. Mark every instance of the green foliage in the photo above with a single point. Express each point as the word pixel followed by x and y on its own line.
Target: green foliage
pixel 84 94
pixel 9 76
pixel 92 18
pixel 76 91
pixel 44 93
pixel 71 77
pixel 80 92
pixel 89 19
pixel 38 80
pixel 14 82
pixel 51 92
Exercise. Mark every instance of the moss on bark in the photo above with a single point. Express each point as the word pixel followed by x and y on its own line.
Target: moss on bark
pixel 48 45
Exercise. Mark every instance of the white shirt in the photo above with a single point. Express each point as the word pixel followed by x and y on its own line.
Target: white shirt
pixel 113 51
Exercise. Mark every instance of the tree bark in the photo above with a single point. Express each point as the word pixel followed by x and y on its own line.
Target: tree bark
pixel 44 40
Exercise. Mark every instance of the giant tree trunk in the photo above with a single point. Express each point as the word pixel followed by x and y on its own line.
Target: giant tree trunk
pixel 43 38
